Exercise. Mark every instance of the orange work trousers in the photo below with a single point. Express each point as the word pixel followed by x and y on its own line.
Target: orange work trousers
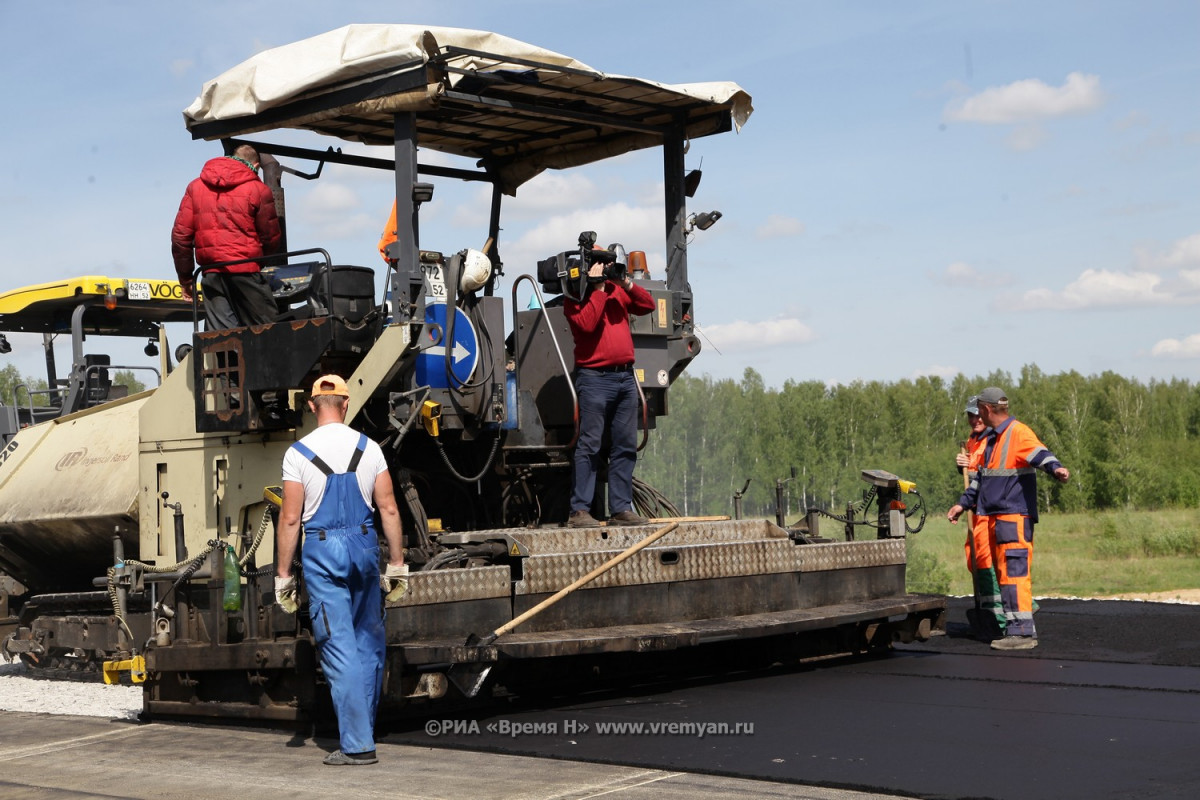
pixel 1012 554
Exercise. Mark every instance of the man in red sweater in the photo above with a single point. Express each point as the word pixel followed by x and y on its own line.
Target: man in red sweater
pixel 608 395
pixel 228 214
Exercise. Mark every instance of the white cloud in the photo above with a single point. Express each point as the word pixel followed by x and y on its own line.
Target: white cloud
pixel 1024 138
pixel 741 335
pixel 332 211
pixel 1185 253
pixel 1178 349
pixel 935 371
pixel 635 227
pixel 1029 100
pixel 961 275
pixel 777 225
pixel 550 191
pixel 1181 255
pixel 1100 288
pixel 181 66
pixel 1170 277
pixel 331 198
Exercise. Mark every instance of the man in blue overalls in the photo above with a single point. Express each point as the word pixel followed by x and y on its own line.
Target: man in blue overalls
pixel 331 478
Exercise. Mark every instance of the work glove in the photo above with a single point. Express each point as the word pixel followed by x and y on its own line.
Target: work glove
pixel 394 582
pixel 285 593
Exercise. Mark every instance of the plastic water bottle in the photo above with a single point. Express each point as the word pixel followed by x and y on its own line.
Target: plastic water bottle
pixel 232 600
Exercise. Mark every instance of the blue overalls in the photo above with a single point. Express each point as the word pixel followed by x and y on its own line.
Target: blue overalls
pixel 341 569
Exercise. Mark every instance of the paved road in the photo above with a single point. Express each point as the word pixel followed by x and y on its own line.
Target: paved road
pixel 44 757
pixel 1107 707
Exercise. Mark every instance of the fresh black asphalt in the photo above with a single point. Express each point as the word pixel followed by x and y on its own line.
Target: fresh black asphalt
pixel 1108 706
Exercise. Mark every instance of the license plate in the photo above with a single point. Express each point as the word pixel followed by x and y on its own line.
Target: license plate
pixel 137 290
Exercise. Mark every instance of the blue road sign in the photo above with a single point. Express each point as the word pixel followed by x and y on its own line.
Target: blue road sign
pixel 464 350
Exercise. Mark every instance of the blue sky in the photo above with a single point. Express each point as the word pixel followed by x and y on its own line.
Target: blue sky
pixel 924 188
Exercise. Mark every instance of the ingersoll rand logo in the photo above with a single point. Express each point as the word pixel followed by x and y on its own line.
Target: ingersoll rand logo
pixel 71 459
pixel 80 458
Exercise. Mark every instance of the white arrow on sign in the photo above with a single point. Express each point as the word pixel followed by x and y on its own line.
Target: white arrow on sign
pixel 459 352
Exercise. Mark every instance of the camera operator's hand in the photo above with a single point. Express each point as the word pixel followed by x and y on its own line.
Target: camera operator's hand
pixel 596 273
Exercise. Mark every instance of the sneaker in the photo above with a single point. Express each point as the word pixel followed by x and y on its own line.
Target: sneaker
pixel 1015 643
pixel 628 518
pixel 582 519
pixel 339 759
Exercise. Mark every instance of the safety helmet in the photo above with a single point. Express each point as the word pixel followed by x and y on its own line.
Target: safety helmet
pixel 476 269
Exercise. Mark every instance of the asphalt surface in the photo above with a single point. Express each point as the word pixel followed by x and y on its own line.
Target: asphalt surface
pixel 1108 706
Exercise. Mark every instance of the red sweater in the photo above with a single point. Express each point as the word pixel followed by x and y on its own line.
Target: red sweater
pixel 600 324
pixel 226 214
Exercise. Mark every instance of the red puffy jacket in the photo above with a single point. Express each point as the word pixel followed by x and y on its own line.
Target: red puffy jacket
pixel 226 214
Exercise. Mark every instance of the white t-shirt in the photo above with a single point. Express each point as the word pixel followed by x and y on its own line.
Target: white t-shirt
pixel 334 444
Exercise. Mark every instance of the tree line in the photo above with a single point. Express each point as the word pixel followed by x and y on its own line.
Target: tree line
pixel 35 388
pixel 1128 444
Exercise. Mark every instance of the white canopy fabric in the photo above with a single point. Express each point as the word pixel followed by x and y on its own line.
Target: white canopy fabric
pixel 516 108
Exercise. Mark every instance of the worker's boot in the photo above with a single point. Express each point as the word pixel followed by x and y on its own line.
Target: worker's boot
pixel 1015 643
pixel 582 519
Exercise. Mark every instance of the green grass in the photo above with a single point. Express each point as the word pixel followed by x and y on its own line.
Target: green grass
pixel 1085 555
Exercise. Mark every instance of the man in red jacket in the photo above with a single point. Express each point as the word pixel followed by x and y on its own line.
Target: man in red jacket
pixel 608 395
pixel 228 214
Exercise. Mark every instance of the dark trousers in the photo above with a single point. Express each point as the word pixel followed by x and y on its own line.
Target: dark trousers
pixel 236 300
pixel 607 400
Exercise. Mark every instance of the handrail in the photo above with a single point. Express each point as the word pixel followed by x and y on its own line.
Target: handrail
pixel 29 393
pixel 517 350
pixel 87 373
pixel 259 259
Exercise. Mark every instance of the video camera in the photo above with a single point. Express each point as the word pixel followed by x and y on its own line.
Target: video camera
pixel 568 272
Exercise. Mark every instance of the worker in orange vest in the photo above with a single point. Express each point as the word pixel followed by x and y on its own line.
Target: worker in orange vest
pixel 987 617
pixel 1005 491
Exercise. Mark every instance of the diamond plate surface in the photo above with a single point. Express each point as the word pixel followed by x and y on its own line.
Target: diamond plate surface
pixel 849 555
pixel 567 540
pixel 665 564
pixel 450 585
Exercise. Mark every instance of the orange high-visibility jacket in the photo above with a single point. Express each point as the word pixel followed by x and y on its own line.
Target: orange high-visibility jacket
pixel 1005 478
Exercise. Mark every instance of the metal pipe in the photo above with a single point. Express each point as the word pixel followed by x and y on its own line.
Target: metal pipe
pixel 675 204
pixel 562 361
pixel 51 369
pixel 123 643
pixel 250 592
pixel 182 627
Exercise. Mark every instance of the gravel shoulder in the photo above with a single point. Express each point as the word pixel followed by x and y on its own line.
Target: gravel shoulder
pixel 1173 596
pixel 19 692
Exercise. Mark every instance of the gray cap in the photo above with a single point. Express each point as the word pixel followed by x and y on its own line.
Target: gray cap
pixel 973 405
pixel 993 395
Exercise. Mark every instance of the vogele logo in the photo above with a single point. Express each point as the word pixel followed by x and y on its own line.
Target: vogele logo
pixel 71 459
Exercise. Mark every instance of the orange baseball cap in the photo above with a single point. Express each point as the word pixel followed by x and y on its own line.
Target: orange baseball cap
pixel 330 385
